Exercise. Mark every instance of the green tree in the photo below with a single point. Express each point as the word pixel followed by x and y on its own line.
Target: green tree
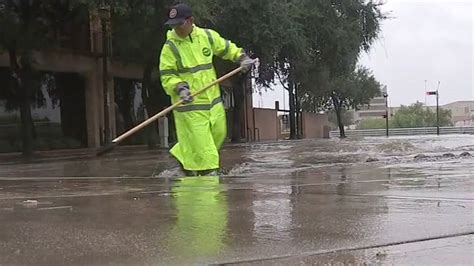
pixel 344 93
pixel 417 115
pixel 341 31
pixel 269 30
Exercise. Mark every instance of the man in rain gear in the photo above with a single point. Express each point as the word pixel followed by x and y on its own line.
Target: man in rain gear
pixel 185 67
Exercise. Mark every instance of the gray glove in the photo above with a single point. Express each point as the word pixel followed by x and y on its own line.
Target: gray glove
pixel 184 92
pixel 246 63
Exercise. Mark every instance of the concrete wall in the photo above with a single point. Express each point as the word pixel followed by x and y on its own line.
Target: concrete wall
pixel 266 124
pixel 315 126
pixel 248 112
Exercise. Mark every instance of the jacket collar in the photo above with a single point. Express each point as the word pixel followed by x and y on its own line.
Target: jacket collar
pixel 174 36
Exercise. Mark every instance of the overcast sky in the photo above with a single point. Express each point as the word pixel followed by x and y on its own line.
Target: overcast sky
pixel 423 40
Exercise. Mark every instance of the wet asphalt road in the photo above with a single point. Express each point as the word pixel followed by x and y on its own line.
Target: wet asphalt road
pixel 302 202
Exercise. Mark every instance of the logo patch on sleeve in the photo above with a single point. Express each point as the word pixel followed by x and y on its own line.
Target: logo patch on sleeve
pixel 206 51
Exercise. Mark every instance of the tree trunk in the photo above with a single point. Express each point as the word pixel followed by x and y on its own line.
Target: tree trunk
pixel 340 124
pixel 338 110
pixel 292 118
pixel 299 124
pixel 237 111
pixel 21 86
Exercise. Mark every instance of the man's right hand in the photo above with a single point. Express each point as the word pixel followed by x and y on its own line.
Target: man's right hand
pixel 184 92
pixel 246 63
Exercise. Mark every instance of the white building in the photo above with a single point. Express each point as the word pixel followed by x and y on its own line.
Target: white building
pixel 375 109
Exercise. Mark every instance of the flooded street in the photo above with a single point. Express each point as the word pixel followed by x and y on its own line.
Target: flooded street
pixel 374 200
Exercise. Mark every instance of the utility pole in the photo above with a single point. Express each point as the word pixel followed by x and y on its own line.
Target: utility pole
pixel 426 106
pixel 437 109
pixel 436 92
pixel 426 93
pixel 292 114
pixel 385 95
pixel 104 13
pixel 298 115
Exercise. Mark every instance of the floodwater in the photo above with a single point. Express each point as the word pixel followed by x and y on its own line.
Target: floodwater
pixel 326 201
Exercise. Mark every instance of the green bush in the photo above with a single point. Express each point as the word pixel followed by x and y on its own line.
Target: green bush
pixel 373 123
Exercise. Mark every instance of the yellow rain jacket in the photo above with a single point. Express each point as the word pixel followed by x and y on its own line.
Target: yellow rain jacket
pixel 201 125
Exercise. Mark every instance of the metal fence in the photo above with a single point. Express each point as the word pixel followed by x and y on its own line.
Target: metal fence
pixel 404 132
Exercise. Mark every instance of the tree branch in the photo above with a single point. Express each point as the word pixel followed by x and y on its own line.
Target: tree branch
pixel 281 81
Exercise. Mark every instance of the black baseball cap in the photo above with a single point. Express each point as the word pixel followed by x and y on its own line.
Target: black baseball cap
pixel 178 14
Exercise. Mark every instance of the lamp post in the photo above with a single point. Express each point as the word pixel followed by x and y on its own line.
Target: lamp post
pixel 104 14
pixel 436 92
pixel 385 95
pixel 437 109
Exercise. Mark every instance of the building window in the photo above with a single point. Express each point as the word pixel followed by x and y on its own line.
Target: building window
pixel 466 110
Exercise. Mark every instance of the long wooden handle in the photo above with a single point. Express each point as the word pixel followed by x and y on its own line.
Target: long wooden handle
pixel 172 107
